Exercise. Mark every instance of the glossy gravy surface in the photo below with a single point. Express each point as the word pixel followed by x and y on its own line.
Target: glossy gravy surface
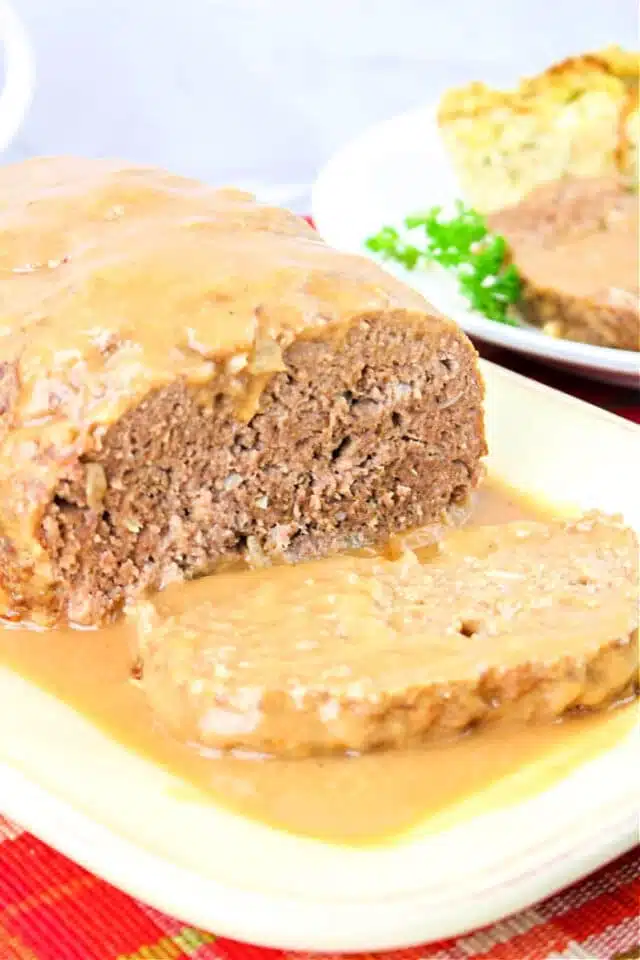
pixel 353 799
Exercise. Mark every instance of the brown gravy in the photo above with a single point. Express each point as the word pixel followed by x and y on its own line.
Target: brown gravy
pixel 350 800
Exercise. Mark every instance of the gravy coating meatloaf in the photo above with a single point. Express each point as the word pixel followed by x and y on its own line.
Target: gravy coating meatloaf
pixel 187 377
pixel 521 622
pixel 576 244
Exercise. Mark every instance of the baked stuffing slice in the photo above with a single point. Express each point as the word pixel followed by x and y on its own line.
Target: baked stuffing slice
pixel 578 118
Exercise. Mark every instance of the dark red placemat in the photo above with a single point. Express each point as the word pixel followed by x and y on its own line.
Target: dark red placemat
pixel 52 909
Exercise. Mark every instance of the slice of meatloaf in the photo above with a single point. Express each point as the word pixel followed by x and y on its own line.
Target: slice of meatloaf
pixel 575 243
pixel 523 622
pixel 188 378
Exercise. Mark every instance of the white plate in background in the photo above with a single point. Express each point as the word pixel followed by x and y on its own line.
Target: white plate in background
pixel 128 821
pixel 19 74
pixel 400 167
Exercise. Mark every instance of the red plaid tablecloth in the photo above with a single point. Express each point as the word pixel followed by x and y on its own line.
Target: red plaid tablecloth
pixel 52 909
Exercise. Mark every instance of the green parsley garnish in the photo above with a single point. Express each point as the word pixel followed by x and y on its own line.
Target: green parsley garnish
pixel 464 245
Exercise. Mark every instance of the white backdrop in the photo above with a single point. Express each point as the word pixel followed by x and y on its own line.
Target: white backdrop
pixel 260 92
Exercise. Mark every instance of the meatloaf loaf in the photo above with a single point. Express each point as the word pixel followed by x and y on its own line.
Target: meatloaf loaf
pixel 575 243
pixel 522 622
pixel 187 378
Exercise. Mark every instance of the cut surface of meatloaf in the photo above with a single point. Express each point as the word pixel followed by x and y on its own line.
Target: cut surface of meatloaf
pixel 519 622
pixel 189 378
pixel 576 245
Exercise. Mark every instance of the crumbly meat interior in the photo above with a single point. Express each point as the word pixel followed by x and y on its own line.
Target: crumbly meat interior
pixel 358 438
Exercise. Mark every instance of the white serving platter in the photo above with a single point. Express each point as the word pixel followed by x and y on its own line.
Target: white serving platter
pixel 400 167
pixel 128 821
